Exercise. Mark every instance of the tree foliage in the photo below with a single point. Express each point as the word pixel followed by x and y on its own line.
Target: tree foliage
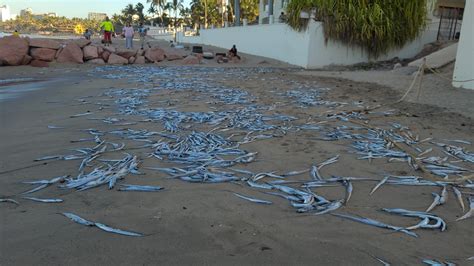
pixel 375 25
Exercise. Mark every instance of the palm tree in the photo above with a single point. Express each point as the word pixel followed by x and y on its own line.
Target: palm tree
pixel 128 12
pixel 175 5
pixel 157 7
pixel 139 11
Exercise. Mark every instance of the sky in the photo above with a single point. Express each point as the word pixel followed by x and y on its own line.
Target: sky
pixel 73 8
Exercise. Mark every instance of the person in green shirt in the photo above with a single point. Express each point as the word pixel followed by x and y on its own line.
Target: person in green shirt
pixel 108 28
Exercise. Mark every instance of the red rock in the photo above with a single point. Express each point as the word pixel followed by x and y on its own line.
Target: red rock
pixel 72 53
pixel 45 43
pixel 82 42
pixel 131 60
pixel 126 53
pixel 106 55
pixel 39 63
pixel 13 50
pixel 111 49
pixel 44 54
pixel 140 60
pixel 117 60
pixel 155 54
pixel 171 57
pixel 26 60
pixel 140 52
pixel 100 50
pixel 97 61
pixel 90 52
pixel 191 60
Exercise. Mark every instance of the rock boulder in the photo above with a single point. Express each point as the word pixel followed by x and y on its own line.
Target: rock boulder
pixel 13 50
pixel 97 61
pixel 39 63
pixel 44 54
pixel 72 53
pixel 140 60
pixel 155 54
pixel 105 55
pixel 191 60
pixel 171 57
pixel 117 60
pixel 45 43
pixel 82 42
pixel 90 52
pixel 126 53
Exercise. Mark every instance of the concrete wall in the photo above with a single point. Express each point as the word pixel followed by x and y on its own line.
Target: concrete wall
pixel 277 41
pixel 463 73
pixel 307 49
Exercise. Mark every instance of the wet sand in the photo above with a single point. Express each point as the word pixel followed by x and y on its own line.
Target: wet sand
pixel 205 224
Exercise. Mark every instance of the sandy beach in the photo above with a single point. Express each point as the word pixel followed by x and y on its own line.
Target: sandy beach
pixel 206 224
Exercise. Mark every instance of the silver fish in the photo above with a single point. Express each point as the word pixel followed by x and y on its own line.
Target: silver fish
pixel 330 207
pixel 83 114
pixel 140 188
pixel 375 223
pixel 433 262
pixel 54 127
pixel 35 189
pixel 458 195
pixel 253 199
pixel 436 202
pixel 444 196
pixel 44 200
pixel 116 231
pixel 78 219
pixel 52 157
pixel 315 173
pixel 379 184
pixel 10 200
pixel 258 185
pixel 470 213
pixel 382 261
pixel 329 161
pixel 348 185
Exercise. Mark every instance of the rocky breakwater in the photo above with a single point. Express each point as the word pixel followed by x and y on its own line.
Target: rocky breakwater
pixel 16 51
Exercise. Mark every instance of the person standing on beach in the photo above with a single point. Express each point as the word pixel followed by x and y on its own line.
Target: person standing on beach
pixel 108 28
pixel 128 32
pixel 142 31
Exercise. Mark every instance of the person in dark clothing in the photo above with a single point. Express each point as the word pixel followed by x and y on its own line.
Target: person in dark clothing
pixel 233 52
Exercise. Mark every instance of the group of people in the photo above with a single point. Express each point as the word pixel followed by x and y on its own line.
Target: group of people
pixel 128 32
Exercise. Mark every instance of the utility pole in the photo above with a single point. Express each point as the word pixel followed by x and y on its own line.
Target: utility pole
pixel 237 12
pixel 205 14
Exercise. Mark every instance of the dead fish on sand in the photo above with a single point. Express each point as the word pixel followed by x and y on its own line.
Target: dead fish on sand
pixel 470 213
pixel 10 200
pixel 140 188
pixel 79 115
pixel 253 199
pixel 44 200
pixel 80 220
pixel 376 223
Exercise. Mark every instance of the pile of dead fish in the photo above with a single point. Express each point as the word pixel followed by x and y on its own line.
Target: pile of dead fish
pixel 200 156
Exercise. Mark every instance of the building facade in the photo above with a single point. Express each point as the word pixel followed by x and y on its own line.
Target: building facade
pixel 270 10
pixel 96 16
pixel 4 13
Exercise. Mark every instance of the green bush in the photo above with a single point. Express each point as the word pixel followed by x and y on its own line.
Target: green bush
pixel 375 25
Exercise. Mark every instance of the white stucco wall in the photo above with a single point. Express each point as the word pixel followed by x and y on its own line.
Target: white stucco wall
pixel 463 72
pixel 307 49
pixel 277 41
pixel 335 53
